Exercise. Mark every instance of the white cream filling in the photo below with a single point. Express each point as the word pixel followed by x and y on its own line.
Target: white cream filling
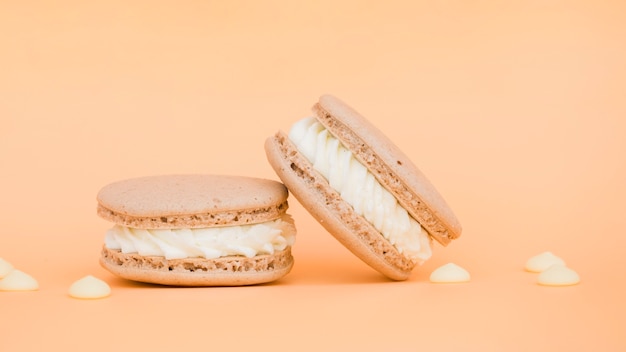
pixel 210 243
pixel 360 189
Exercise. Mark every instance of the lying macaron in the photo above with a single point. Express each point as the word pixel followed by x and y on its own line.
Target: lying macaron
pixel 362 188
pixel 197 230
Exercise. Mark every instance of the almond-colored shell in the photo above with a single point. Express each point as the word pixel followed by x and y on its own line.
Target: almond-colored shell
pixel 393 169
pixel 389 165
pixel 191 201
pixel 332 212
pixel 194 201
pixel 224 271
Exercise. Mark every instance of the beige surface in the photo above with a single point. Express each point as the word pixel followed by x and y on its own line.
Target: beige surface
pixel 514 110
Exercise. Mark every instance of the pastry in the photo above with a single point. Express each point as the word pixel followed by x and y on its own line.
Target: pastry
pixel 197 230
pixel 362 188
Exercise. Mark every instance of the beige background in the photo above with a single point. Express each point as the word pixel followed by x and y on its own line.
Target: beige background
pixel 515 111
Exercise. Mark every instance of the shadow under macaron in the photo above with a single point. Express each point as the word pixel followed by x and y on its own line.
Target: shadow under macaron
pixel 332 270
pixel 307 271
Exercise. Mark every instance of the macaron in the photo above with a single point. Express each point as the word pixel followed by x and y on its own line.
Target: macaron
pixel 362 188
pixel 197 230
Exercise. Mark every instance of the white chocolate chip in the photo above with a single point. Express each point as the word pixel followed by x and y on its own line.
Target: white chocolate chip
pixel 89 287
pixel 449 273
pixel 558 275
pixel 18 281
pixel 542 261
pixel 5 268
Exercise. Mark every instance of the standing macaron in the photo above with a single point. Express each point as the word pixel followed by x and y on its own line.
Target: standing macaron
pixel 197 230
pixel 362 188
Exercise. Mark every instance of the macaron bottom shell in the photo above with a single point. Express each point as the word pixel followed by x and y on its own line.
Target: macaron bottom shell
pixel 224 271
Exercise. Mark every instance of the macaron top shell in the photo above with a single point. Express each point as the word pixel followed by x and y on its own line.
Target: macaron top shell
pixel 394 170
pixel 191 201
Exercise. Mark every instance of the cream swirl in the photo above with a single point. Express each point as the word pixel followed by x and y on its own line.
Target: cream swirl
pixel 210 243
pixel 360 188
